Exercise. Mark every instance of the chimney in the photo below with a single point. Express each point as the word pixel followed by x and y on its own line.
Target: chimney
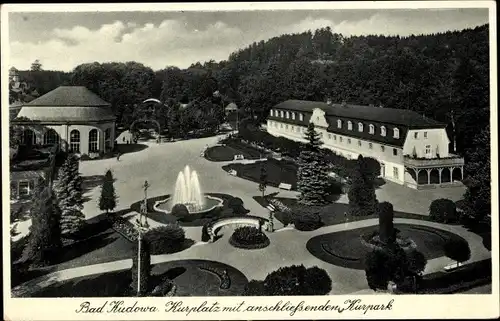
pixel 343 104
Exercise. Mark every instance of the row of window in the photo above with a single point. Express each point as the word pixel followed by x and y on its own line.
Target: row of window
pixel 286 114
pixel 360 143
pixel 286 127
pixel 51 137
pixel 371 129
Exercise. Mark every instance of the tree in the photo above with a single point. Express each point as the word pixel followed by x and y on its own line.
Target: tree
pixel 443 210
pixel 44 239
pixel 416 262
pixel 145 269
pixel 477 198
pixel 362 197
pixel 36 66
pixel 297 280
pixel 382 266
pixel 313 182
pixel 68 188
pixel 385 222
pixel 107 199
pixel 457 250
pixel 263 180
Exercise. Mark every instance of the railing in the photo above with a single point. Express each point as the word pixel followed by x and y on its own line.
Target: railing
pixel 434 162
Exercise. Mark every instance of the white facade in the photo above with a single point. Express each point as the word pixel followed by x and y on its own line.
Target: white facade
pixel 422 145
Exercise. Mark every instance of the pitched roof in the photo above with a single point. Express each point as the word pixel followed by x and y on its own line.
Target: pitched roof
pixel 394 116
pixel 69 96
pixel 68 103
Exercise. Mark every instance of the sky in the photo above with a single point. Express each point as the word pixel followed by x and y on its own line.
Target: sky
pixel 63 40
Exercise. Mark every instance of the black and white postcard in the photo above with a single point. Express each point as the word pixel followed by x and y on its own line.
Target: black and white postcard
pixel 247 161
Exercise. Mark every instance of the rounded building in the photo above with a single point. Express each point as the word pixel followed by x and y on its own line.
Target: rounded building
pixel 71 117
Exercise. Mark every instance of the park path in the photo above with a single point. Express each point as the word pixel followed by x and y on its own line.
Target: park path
pixel 288 247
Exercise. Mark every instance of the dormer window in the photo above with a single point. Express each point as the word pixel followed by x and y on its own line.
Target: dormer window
pixel 271 112
pixel 293 115
pixel 396 133
pixel 287 115
pixel 349 125
pixel 339 123
pixel 282 114
pixel 360 127
pixel 372 129
pixel 383 131
pixel 301 117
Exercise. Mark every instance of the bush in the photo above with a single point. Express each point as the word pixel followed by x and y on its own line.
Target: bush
pixel 382 266
pixel 180 211
pixel 306 218
pixel 457 250
pixel 236 204
pixel 249 237
pixel 163 288
pixel 166 239
pixel 443 211
pixel 416 262
pixel 297 280
pixel 284 217
pixel 255 288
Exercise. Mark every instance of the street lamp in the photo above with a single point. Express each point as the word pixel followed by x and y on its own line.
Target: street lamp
pixel 141 229
pixel 144 207
pixel 271 209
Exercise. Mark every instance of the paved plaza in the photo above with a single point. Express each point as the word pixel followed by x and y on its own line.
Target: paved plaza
pixel 160 164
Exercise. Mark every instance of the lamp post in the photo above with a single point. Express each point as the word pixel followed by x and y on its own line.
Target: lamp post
pixel 141 229
pixel 144 207
pixel 271 209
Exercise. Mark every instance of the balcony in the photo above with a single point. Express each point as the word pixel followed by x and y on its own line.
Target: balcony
pixel 450 161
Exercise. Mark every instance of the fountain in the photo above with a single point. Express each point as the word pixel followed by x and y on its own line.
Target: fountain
pixel 187 191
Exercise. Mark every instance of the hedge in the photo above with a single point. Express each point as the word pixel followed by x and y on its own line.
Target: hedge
pixel 306 218
pixel 249 237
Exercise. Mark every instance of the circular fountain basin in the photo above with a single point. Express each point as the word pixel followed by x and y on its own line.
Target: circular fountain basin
pixel 211 203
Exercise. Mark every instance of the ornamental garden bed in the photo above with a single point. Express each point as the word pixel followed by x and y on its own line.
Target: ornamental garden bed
pixel 231 206
pixel 190 277
pixel 249 238
pixel 278 171
pixel 346 249
pixel 232 148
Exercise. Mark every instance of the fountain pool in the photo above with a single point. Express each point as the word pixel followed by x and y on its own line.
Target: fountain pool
pixel 188 192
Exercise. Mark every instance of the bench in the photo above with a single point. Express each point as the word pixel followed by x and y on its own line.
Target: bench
pixel 243 221
pixel 233 172
pixel 239 157
pixel 285 186
pixel 453 266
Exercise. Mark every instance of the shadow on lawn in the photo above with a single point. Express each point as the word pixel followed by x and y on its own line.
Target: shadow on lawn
pixel 130 148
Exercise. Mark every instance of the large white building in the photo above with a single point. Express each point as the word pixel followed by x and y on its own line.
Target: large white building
pixel 72 117
pixel 412 149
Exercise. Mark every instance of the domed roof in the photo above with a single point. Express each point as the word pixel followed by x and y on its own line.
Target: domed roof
pixel 68 103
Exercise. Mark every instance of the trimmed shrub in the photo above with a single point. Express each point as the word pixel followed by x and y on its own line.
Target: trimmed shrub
pixel 317 281
pixel 382 266
pixel 457 250
pixel 249 237
pixel 297 280
pixel 306 218
pixel 284 217
pixel 443 211
pixel 166 239
pixel 236 204
pixel 180 211
pixel 416 262
pixel 385 222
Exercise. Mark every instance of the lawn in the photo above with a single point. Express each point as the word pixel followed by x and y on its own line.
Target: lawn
pixel 346 249
pixel 228 151
pixel 278 171
pixel 192 219
pixel 191 277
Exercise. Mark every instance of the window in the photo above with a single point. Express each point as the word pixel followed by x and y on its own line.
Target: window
pixel 425 134
pixel 329 136
pixel 293 115
pixel 415 135
pixel 297 129
pixel 287 115
pixel 286 127
pixel 29 137
pixel 382 131
pixel 301 117
pixel 349 125
pixel 427 149
pixel 382 148
pixel 317 118
pixel 396 133
pixel 281 126
pixel 341 139
pixel 93 141
pixel 372 129
pixel 334 137
pixel 360 127
pixel 395 172
pixel 359 143
pixel 51 137
pixel 74 141
pixel 281 114
pixel 348 140
pixel 24 188
pixel 293 128
pixel 370 145
pixel 271 112
pixel 339 123
pixel 395 151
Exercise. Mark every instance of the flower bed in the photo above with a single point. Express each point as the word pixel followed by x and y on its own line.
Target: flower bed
pixel 124 228
pixel 249 237
pixel 372 241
